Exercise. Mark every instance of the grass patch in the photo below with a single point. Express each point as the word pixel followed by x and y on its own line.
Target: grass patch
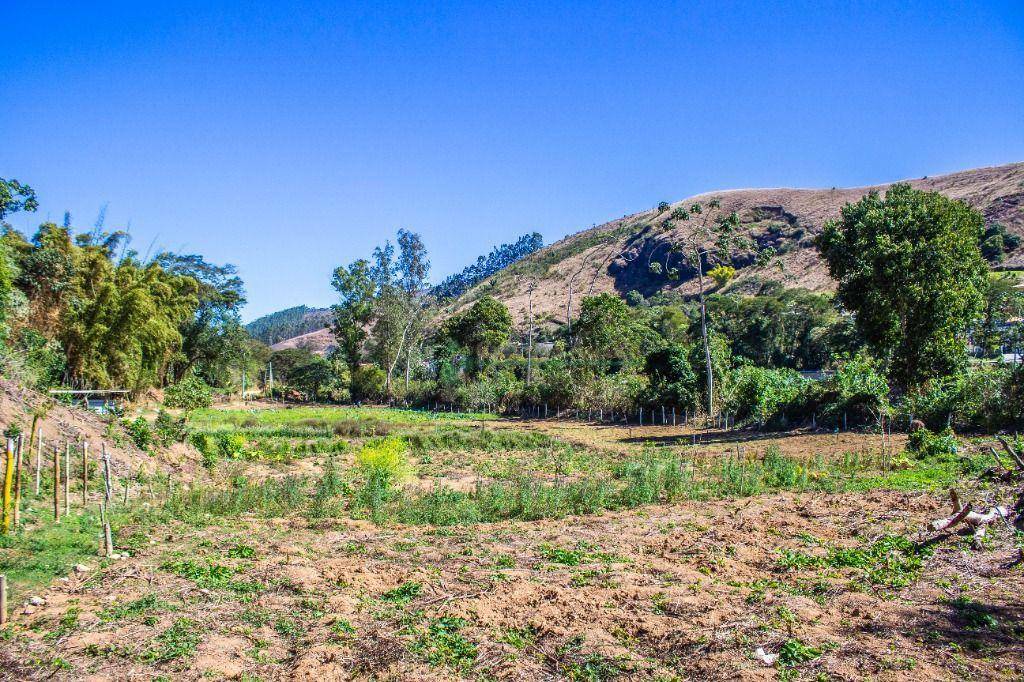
pixel 178 641
pixel 891 561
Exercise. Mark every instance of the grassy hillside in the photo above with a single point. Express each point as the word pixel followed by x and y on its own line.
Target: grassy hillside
pixel 615 257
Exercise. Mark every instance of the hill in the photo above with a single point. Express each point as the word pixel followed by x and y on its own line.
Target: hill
pixel 615 257
pixel 288 323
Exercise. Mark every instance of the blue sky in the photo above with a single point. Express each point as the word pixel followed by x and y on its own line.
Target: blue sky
pixel 291 138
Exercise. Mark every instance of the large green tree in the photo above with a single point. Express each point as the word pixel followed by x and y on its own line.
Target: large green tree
pixel 909 268
pixel 481 330
pixel 353 311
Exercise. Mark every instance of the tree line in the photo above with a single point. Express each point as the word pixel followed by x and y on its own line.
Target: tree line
pixel 81 308
pixel 915 329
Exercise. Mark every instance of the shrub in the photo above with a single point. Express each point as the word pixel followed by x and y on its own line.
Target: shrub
pixel 188 394
pixel 764 394
pixel 722 274
pixel 168 429
pixel 139 431
pixel 383 463
pixel 367 383
pixel 933 445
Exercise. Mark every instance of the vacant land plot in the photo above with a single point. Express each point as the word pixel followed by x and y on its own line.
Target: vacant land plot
pixel 329 543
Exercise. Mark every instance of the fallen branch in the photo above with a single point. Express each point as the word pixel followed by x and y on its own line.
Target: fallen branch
pixel 966 515
pixel 1011 452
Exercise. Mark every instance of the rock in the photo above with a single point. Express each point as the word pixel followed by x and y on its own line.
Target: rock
pixel 28 611
pixel 81 568
pixel 766 658
pixel 36 601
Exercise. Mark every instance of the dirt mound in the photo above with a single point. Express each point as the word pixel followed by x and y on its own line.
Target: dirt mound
pixel 64 423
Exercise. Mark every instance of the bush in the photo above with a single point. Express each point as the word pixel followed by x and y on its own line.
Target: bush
pixel 368 383
pixel 140 433
pixel 764 394
pixel 928 445
pixel 191 393
pixel 383 463
pixel 168 429
pixel 215 447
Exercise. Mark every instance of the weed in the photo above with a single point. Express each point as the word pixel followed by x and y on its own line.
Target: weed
pixel 68 624
pixel 142 606
pixel 795 652
pixel 241 551
pixel 179 640
pixel 443 645
pixel 403 594
pixel 891 561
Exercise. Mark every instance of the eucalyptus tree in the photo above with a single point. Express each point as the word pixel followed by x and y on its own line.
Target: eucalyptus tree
pixel 708 237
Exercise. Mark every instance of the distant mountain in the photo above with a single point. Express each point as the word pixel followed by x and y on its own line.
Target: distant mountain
pixel 289 323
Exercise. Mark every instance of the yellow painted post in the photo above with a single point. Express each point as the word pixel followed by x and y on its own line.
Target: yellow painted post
pixel 8 481
pixel 17 481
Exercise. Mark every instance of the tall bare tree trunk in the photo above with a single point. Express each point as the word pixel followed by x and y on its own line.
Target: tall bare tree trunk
pixel 704 337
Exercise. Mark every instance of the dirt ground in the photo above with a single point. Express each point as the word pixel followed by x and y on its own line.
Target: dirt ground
pixel 668 592
pixel 845 586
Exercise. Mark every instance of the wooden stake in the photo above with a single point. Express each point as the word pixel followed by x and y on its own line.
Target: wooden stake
pixel 56 484
pixel 127 483
pixel 67 479
pixel 85 473
pixel 8 481
pixel 39 459
pixel 106 473
pixel 3 600
pixel 108 540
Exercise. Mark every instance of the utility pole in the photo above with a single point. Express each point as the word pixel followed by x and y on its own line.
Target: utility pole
pixel 270 379
pixel 243 383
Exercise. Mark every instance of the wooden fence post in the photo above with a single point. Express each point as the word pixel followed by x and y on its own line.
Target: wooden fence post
pixel 56 484
pixel 106 473
pixel 17 480
pixel 67 479
pixel 108 540
pixel 8 482
pixel 39 458
pixel 3 600
pixel 85 473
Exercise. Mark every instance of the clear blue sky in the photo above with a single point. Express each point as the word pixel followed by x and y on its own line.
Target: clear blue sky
pixel 290 138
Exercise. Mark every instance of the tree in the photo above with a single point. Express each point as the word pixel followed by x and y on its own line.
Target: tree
pixel 909 268
pixel 672 379
pixel 413 269
pixel 481 330
pixel 996 241
pixel 498 259
pixel 15 196
pixel 604 329
pixel 711 235
pixel 213 340
pixel 353 312
pixel 1003 302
